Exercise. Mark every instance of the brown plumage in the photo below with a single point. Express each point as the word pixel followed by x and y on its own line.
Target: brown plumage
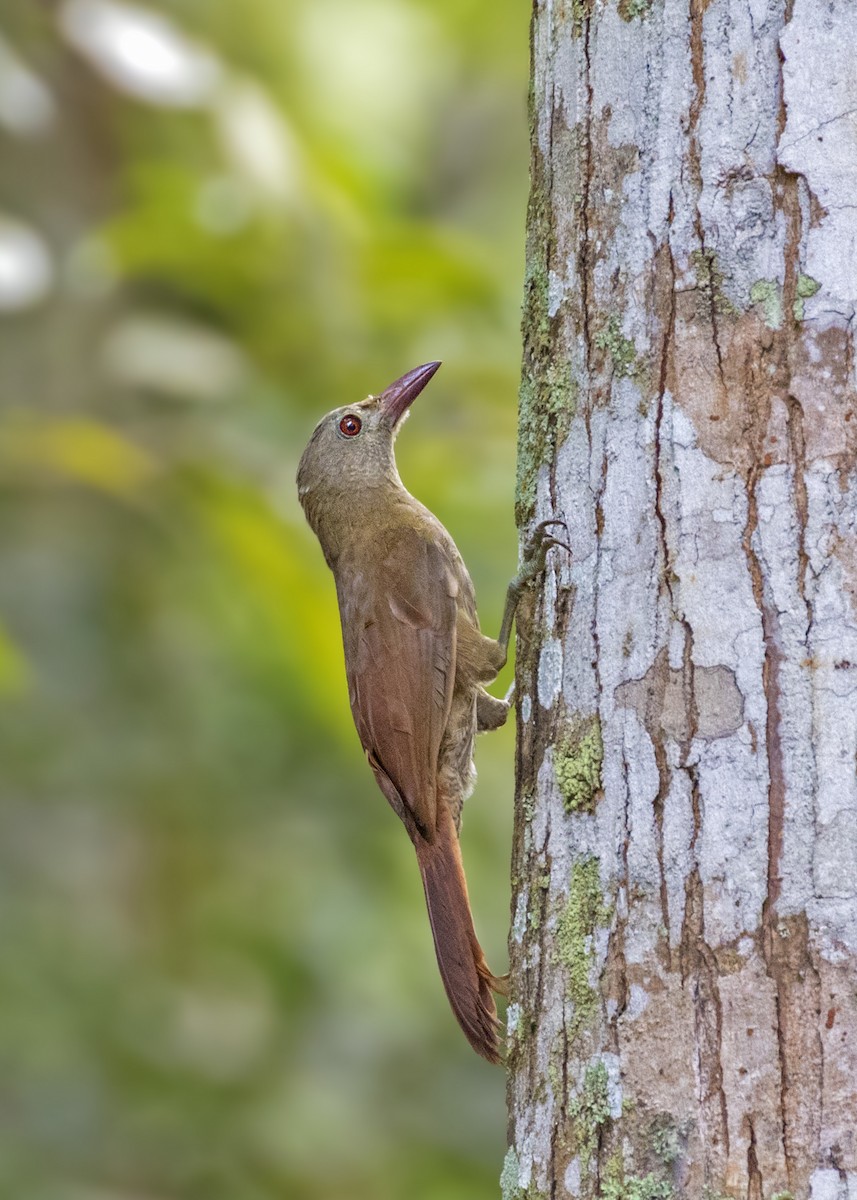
pixel 416 663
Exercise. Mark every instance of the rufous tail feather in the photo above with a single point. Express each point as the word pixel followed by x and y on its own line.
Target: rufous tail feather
pixel 463 969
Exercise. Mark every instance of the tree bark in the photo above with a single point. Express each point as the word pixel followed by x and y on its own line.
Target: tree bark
pixel 683 1018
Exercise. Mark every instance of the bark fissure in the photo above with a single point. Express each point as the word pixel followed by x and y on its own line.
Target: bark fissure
pixel 698 960
pixel 664 567
pixel 797 446
pixel 755 1182
pixel 775 794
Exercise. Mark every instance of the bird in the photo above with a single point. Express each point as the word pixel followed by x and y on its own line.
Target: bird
pixel 416 662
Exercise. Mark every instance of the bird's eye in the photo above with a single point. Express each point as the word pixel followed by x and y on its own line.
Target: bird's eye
pixel 350 425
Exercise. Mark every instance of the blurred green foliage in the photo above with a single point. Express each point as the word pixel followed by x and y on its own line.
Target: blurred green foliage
pixel 217 222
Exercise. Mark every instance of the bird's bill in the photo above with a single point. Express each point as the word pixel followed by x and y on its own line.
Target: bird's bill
pixel 395 400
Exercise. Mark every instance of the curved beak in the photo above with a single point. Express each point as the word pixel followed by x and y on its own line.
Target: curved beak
pixel 395 400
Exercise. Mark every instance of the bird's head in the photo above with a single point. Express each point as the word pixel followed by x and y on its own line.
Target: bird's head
pixel 351 448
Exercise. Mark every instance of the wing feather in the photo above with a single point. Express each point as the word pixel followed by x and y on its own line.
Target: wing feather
pixel 399 627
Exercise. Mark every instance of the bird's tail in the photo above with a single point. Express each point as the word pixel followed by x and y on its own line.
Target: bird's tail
pixel 463 969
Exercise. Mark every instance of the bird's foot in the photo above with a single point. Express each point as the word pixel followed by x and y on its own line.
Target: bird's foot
pixel 532 565
pixel 536 550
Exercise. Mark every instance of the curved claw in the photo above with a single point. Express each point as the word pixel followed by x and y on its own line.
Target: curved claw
pixel 540 541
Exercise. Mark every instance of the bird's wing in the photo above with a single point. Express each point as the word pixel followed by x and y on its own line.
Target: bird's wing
pixel 399 628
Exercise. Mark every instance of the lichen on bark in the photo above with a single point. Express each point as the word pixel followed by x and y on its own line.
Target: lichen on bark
pixel 618 347
pixel 548 393
pixel 584 910
pixel 577 758
pixel 589 1111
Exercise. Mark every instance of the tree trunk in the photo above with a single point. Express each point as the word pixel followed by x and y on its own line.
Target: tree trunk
pixel 684 1011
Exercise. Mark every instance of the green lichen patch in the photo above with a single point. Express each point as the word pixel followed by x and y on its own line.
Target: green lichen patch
pixel 554 1078
pixel 633 1187
pixel 806 286
pixel 589 1111
pixel 548 395
pixel 617 1185
pixel 666 1142
pixel 710 279
pixel 635 1152
pixel 546 404
pixel 577 760
pixel 583 912
pixel 510 1175
pixel 580 12
pixel 621 349
pixel 634 10
pixel 769 295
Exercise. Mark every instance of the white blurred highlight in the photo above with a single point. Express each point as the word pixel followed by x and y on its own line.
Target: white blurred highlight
pixel 26 266
pixel 173 358
pixel 372 68
pixel 141 52
pixel 257 138
pixel 149 57
pixel 27 108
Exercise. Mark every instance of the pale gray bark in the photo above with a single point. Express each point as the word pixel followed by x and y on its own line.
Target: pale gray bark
pixel 684 944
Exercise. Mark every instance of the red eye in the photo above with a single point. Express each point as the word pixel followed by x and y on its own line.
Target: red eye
pixel 350 425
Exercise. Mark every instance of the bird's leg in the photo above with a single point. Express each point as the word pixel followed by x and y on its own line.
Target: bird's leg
pixel 491 712
pixel 487 657
pixel 535 556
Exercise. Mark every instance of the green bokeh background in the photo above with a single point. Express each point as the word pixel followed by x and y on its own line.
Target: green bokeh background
pixel 216 973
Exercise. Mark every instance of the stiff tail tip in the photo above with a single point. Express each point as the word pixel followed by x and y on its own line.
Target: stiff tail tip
pixel 466 978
